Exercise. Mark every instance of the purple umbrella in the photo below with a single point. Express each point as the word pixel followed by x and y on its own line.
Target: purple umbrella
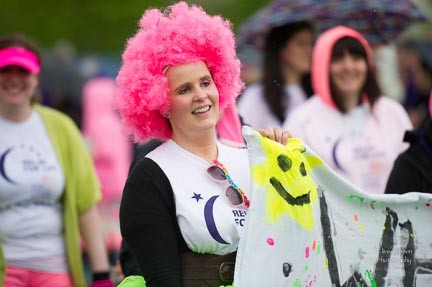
pixel 380 21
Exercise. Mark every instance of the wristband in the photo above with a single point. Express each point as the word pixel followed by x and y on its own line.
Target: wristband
pixel 102 283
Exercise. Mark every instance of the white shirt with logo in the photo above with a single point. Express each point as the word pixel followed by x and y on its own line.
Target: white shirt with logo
pixel 31 186
pixel 361 145
pixel 208 222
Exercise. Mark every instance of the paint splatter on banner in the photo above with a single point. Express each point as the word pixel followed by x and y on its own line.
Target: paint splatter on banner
pixel 309 227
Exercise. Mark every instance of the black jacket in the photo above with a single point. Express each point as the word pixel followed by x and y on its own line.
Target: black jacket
pixel 412 170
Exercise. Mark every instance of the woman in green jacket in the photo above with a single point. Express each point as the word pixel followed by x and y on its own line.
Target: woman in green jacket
pixel 48 187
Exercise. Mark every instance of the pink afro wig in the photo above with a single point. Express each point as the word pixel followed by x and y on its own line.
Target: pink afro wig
pixel 179 35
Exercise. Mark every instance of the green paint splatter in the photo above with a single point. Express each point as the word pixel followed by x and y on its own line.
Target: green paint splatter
pixel 359 198
pixel 297 283
pixel 305 269
pixel 416 208
pixel 371 279
pixel 318 249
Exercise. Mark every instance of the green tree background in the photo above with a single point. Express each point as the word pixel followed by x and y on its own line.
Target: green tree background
pixel 95 26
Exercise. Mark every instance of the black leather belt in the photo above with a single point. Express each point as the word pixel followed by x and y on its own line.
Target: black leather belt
pixel 200 270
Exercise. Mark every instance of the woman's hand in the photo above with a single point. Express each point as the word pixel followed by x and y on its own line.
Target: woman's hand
pixel 276 134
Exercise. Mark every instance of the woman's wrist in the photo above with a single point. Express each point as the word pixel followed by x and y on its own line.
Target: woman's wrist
pixel 101 275
pixel 102 279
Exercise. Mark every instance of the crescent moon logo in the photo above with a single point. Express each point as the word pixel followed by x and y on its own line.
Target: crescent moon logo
pixel 2 166
pixel 335 159
pixel 209 219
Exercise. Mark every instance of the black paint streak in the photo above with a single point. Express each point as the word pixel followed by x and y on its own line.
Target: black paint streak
pixel 286 269
pixel 291 200
pixel 408 255
pixel 386 247
pixel 424 266
pixel 355 280
pixel 328 240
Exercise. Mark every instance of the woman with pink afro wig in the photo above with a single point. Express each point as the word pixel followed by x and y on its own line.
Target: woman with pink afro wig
pixel 182 34
pixel 176 215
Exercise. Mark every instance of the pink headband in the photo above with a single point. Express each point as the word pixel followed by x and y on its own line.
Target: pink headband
pixel 18 56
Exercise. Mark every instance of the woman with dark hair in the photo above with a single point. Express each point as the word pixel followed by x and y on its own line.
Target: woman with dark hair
pixel 286 81
pixel 48 186
pixel 348 123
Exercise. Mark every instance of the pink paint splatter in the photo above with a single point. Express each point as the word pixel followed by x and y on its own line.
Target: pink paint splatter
pixel 311 282
pixel 270 241
pixel 307 252
pixel 427 204
pixel 314 245
pixel 355 217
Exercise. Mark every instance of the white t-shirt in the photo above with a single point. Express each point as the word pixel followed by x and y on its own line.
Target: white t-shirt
pixel 31 185
pixel 361 145
pixel 255 111
pixel 207 220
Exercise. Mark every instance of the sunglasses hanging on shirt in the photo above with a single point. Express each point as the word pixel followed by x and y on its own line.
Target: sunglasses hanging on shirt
pixel 235 194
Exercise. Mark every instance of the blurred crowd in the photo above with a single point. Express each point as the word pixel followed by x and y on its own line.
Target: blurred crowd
pixel 281 90
pixel 404 68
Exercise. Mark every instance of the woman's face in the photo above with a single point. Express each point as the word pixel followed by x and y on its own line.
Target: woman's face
pixel 296 55
pixel 17 87
pixel 194 99
pixel 348 74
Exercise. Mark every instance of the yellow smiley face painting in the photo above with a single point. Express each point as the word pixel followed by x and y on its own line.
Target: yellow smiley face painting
pixel 286 176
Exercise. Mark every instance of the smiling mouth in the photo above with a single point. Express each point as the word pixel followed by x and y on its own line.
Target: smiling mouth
pixel 201 110
pixel 291 200
pixel 13 89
